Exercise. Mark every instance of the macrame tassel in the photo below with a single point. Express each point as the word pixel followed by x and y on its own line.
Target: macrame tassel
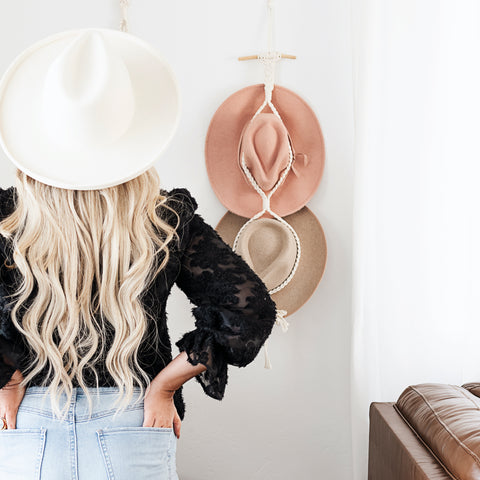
pixel 267 360
pixel 282 322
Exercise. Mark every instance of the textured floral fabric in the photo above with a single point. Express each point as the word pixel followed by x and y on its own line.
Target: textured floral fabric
pixel 233 312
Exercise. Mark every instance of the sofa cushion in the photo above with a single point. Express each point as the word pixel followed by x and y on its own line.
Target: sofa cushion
pixel 447 418
pixel 473 387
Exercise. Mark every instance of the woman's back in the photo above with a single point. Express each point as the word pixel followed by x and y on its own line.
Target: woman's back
pixel 234 313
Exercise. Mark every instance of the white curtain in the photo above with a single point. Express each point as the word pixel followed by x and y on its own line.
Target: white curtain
pixel 416 299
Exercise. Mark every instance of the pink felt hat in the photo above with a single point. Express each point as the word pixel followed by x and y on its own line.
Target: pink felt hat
pixel 265 142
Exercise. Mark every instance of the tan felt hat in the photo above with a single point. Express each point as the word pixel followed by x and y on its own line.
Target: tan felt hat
pixel 223 144
pixel 271 259
pixel 270 250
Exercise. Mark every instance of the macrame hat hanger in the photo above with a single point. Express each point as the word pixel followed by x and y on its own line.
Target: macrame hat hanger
pixel 274 188
pixel 269 60
pixel 280 318
pixel 265 157
pixel 250 142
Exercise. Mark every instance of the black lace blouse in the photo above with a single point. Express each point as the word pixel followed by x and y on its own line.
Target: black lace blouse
pixel 233 311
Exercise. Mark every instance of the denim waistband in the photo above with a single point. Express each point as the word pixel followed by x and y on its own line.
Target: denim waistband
pixel 37 400
pixel 79 392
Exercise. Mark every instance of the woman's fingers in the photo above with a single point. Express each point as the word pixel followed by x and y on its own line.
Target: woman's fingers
pixel 148 421
pixel 177 423
pixel 151 421
pixel 11 416
pixel 11 419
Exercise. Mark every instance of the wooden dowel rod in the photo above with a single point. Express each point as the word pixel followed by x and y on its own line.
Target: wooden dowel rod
pixel 255 57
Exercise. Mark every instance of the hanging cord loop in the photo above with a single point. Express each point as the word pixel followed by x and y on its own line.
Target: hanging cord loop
pixel 124 4
pixel 270 58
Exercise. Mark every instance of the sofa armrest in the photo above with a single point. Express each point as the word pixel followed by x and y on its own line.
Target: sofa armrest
pixel 395 451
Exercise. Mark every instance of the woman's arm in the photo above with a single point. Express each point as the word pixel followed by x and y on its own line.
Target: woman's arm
pixel 176 373
pixel 159 407
pixel 234 315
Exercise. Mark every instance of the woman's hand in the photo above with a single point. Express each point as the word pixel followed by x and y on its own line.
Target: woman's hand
pixel 11 396
pixel 159 408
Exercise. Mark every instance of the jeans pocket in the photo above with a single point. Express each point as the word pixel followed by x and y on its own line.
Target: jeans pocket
pixel 143 453
pixel 21 453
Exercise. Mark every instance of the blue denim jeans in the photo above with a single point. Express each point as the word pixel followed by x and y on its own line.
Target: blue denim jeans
pixel 85 447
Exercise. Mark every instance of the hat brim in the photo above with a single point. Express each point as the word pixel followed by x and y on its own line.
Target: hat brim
pixel 156 118
pixel 221 151
pixel 313 257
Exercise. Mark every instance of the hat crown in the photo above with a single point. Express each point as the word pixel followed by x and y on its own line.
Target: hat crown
pixel 87 97
pixel 269 249
pixel 264 144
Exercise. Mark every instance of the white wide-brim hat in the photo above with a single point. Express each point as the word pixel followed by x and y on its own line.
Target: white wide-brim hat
pixel 88 108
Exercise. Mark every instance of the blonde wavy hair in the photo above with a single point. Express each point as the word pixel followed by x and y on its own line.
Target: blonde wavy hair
pixel 70 243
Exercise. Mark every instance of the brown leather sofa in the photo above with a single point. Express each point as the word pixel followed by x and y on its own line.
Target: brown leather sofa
pixel 431 432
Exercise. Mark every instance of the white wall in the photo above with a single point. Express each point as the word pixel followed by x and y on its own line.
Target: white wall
pixel 293 420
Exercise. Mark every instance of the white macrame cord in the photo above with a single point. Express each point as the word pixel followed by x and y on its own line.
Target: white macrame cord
pixel 269 60
pixel 266 208
pixel 124 4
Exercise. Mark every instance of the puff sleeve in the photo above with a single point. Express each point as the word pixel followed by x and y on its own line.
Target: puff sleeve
pixel 8 340
pixel 234 314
